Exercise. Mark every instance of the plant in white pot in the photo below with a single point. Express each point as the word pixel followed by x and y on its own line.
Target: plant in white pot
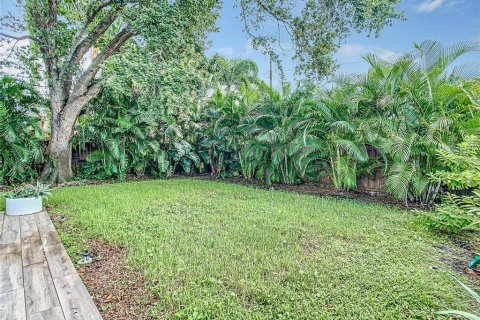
pixel 26 200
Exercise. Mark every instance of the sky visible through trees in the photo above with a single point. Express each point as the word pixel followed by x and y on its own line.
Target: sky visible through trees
pixel 445 20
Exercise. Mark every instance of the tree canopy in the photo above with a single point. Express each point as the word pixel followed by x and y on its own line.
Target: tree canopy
pixel 315 28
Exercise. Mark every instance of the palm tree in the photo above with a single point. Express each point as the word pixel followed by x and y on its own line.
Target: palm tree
pixel 422 104
pixel 20 133
pixel 230 74
pixel 335 119
pixel 278 149
pixel 223 116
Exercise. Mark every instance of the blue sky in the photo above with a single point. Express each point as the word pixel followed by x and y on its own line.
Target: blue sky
pixel 448 21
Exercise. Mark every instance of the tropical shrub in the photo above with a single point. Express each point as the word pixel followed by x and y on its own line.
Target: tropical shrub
pixel 336 123
pixel 461 167
pixel 20 133
pixel 222 138
pixel 414 106
pixel 277 146
pixel 461 171
pixel 130 137
pixel 119 132
pixel 176 153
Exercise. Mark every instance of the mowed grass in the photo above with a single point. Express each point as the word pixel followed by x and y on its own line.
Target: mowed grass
pixel 214 250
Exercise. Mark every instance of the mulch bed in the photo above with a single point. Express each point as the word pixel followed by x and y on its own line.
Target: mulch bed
pixel 313 188
pixel 118 291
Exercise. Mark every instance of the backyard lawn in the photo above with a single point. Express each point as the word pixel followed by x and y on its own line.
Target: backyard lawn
pixel 215 250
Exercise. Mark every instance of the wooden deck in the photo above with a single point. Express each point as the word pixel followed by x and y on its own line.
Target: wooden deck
pixel 37 278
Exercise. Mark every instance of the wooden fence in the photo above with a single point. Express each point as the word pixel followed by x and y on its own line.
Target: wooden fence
pixel 372 183
pixel 79 156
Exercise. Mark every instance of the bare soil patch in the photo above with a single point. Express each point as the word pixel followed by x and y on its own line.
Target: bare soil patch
pixel 118 291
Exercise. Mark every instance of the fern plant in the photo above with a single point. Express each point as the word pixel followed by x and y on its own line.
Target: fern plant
pixel 461 171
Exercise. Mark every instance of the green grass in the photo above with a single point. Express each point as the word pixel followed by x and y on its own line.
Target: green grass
pixel 214 250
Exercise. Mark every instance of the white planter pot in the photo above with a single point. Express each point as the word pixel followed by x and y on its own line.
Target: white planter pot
pixel 22 206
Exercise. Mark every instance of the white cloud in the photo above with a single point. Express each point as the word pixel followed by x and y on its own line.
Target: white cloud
pixel 428 6
pixel 225 51
pixel 355 51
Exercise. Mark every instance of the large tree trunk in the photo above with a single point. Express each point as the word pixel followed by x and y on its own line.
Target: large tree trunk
pixel 58 168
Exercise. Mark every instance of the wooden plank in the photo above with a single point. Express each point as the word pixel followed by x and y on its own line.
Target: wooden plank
pixel 11 223
pixel 43 218
pixel 10 238
pixel 12 305
pixel 28 226
pixel 32 250
pixel 40 292
pixel 46 227
pixel 59 262
pixel 75 299
pixel 49 238
pixel 48 235
pixel 11 274
pixel 49 314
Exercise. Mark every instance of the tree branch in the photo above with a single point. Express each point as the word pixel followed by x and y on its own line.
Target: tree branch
pixel 52 43
pixel 273 14
pixel 52 13
pixel 88 75
pixel 47 40
pixel 74 107
pixel 80 46
pixel 96 11
pixel 19 38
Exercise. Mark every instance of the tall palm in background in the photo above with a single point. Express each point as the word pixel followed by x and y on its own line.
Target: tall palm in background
pixel 230 74
pixel 422 104
pixel 334 120
pixel 278 149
